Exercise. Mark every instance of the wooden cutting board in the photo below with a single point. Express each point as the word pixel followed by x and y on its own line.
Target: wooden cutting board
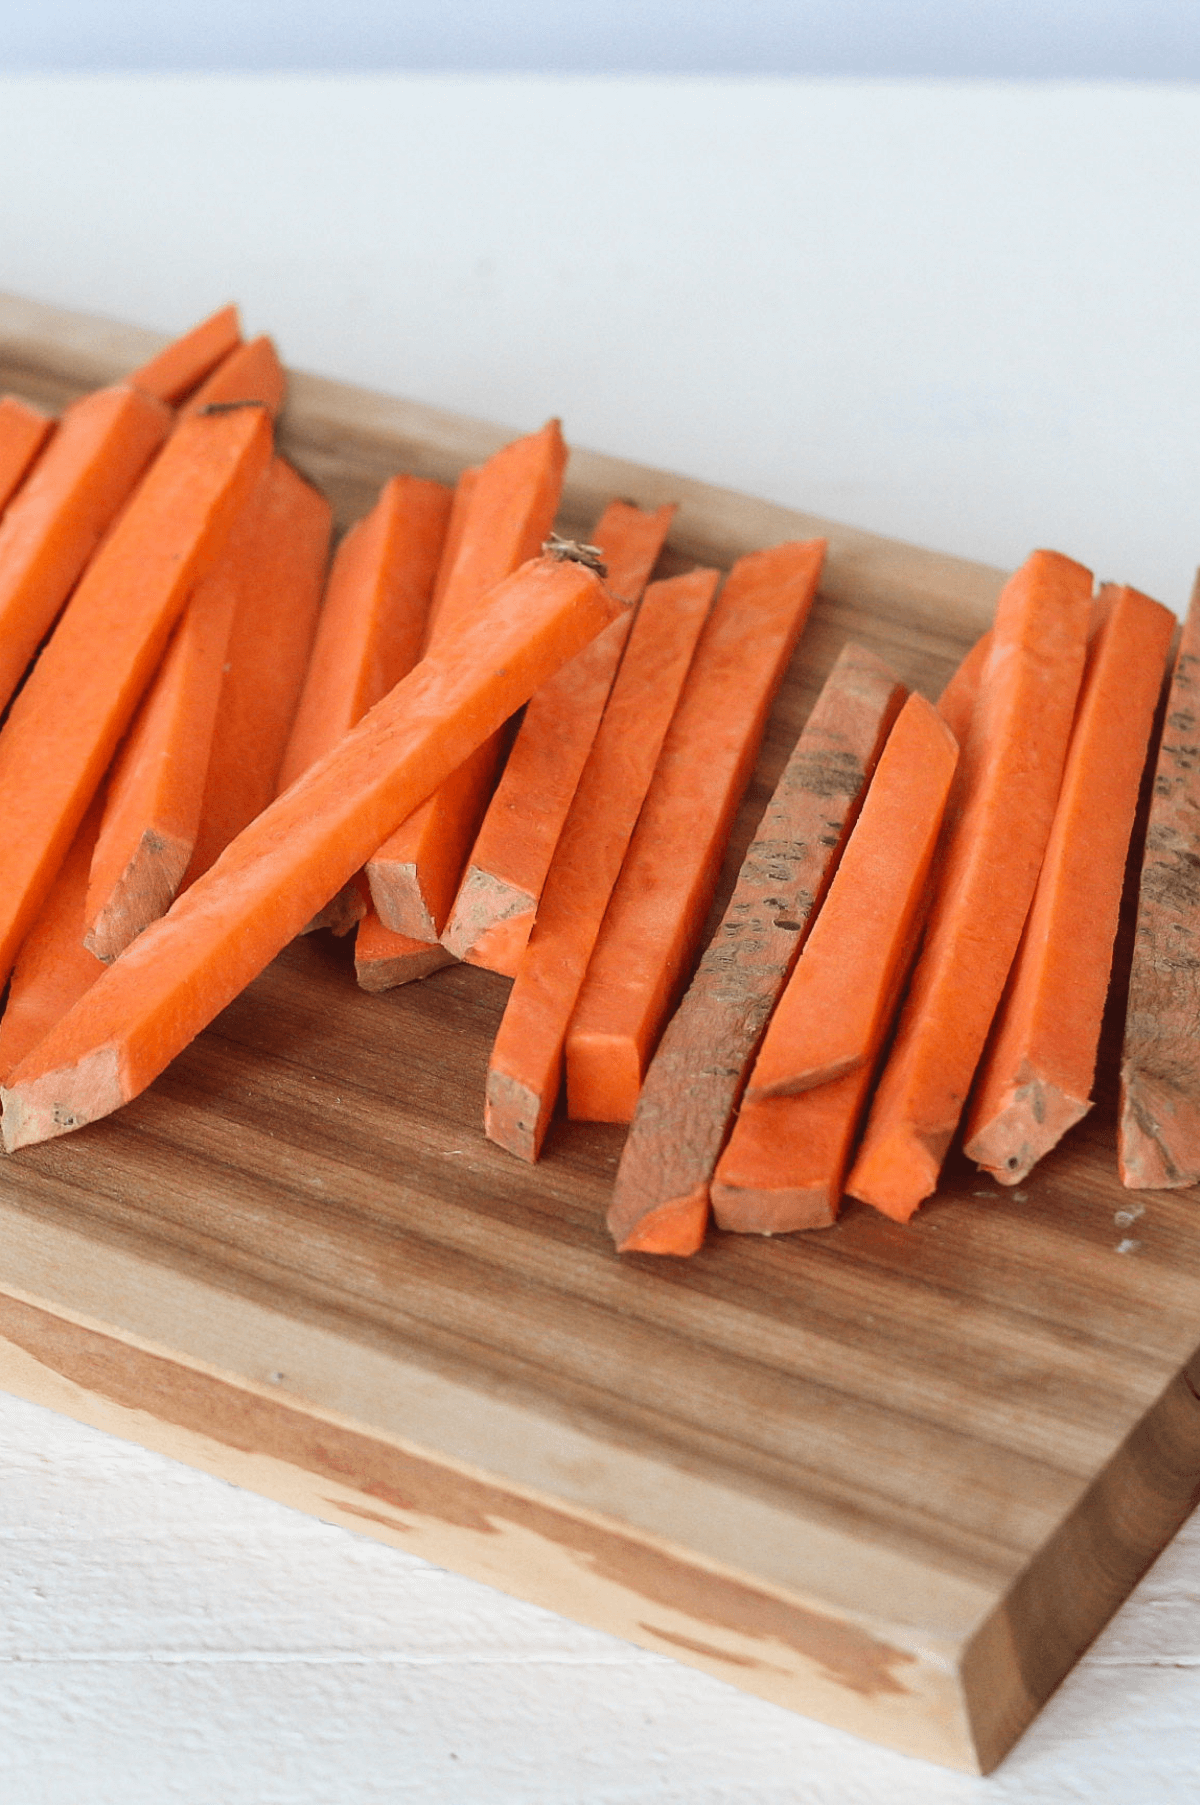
pixel 896 1478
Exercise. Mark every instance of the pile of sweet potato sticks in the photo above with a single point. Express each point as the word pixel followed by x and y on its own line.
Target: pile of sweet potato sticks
pixel 221 744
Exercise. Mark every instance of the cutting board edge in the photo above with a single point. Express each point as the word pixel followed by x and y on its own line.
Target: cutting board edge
pixel 798 1654
pixel 958 1692
pixel 176 1315
pixel 1118 1528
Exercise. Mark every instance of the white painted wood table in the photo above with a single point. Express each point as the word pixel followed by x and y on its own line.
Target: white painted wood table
pixel 960 315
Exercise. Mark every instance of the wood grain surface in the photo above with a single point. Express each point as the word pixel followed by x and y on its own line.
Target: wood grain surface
pixel 895 1477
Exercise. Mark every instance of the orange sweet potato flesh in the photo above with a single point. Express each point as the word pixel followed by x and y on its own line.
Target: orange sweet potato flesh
pixel 629 540
pixel 1036 1079
pixel 493 910
pixel 787 1156
pixel 509 512
pixel 23 432
pixel 373 620
pixel 369 635
pixel 183 364
pixel 1011 768
pixel 508 507
pixel 53 968
pixel 785 1164
pixel 956 704
pixel 460 509
pixel 68 719
pixel 646 946
pixel 525 1067
pixel 414 878
pixel 384 960
pixel 251 372
pixel 660 1201
pixel 829 1020
pixel 287 864
pixel 277 566
pixel 51 528
pixel 156 786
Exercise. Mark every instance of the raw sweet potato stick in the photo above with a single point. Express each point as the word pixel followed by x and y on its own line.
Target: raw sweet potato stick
pixel 956 704
pixel 507 510
pixel 526 1063
pixel 373 619
pixel 787 1156
pixel 219 934
pixel 384 961
pixel 1036 1078
pixel 72 496
pixel 383 957
pixel 414 876
pixel 629 540
pixel 460 508
pixel 1013 763
pixel 252 372
pixel 23 432
pixel 369 635
pixel 156 785
pixel 691 1090
pixel 511 507
pixel 493 910
pixel 83 478
pixel 53 968
pixel 1159 1124
pixel 279 577
pixel 65 725
pixel 183 364
pixel 830 1018
pixel 645 948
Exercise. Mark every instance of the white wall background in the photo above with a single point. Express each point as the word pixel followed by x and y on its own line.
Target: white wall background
pixel 1118 39
pixel 962 314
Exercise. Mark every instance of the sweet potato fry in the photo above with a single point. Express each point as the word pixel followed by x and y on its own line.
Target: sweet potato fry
pixel 660 1201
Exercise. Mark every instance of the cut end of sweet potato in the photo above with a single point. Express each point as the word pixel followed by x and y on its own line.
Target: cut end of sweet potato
pixel 57 1102
pixel 1158 1138
pixel 899 1171
pixel 778 1211
pixel 1031 1120
pixel 500 949
pixel 675 1227
pixel 398 900
pixel 343 912
pixel 181 365
pixel 404 964
pixel 515 1116
pixel 250 374
pixel 144 891
pixel 490 922
pixel 604 1078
